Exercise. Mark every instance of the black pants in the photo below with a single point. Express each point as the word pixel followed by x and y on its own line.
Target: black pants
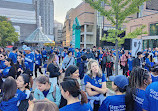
pixel 37 67
pixel 125 69
pixel 44 59
pixel 96 107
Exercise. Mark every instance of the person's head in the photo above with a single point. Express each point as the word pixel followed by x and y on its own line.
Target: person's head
pixel 42 83
pixel 154 69
pixel 84 58
pixel 156 54
pixel 15 49
pixel 88 50
pixel 139 78
pixel 94 48
pixel 42 105
pixel 93 68
pixel 139 54
pixel 72 71
pixel 9 88
pixel 23 81
pixel 147 55
pixel 70 45
pixel 27 50
pixel 77 50
pixel 19 58
pixel 119 83
pixel 37 51
pixel 69 53
pixel 2 56
pixel 70 89
pixel 51 59
pixel 9 62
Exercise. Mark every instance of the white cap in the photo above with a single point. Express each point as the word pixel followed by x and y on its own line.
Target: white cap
pixel 27 48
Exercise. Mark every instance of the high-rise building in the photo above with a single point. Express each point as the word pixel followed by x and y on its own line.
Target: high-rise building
pixel 58 27
pixel 45 9
pixel 22 15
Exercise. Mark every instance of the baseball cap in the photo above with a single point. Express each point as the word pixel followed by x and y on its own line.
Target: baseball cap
pixel 27 48
pixel 120 80
pixel 24 46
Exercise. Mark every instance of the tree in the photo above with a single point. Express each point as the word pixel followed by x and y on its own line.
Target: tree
pixel 7 32
pixel 120 10
pixel 111 35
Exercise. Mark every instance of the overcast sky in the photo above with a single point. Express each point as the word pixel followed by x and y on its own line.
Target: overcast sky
pixel 60 7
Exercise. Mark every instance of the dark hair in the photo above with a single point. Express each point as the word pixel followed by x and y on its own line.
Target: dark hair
pixel 14 48
pixel 72 86
pixel 155 68
pixel 42 79
pixel 69 52
pixel 26 79
pixel 70 70
pixel 137 77
pixel 10 60
pixel 9 88
pixel 38 51
pixel 84 58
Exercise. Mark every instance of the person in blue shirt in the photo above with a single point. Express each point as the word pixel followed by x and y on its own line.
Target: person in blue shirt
pixel 11 95
pixel 78 57
pixel 52 50
pixel 44 55
pixel 140 78
pixel 151 94
pixel 38 62
pixel 117 102
pixel 29 59
pixel 71 91
pixel 154 73
pixel 13 55
pixel 147 61
pixel 9 70
pixel 95 83
pixel 2 60
pixel 71 49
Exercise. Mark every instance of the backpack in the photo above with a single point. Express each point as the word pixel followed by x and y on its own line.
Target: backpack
pixel 108 58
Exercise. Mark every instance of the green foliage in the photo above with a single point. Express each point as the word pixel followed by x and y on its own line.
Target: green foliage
pixel 120 10
pixel 7 32
pixel 111 37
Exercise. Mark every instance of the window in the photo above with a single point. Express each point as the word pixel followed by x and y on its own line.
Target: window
pixel 153 29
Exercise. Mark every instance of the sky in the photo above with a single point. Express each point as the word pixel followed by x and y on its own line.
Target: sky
pixel 60 7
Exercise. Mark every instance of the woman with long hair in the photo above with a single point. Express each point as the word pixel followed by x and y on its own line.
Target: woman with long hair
pixel 9 70
pixel 47 90
pixel 95 83
pixel 53 69
pixel 140 78
pixel 11 95
pixel 23 85
pixel 71 91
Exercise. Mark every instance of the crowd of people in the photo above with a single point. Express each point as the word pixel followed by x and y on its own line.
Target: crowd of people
pixel 76 79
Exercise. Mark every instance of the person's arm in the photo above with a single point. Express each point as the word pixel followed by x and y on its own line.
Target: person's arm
pixel 90 92
pixel 102 90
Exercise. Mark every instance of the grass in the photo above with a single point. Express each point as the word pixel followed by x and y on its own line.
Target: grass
pixel 109 85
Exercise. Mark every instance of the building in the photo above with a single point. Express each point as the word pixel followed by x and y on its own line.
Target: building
pixel 22 15
pixel 86 15
pixel 58 28
pixel 149 16
pixel 45 9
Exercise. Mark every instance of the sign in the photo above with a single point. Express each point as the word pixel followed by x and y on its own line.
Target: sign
pixel 136 46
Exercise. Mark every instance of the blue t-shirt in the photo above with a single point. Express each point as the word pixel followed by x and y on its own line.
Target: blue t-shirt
pixel 11 104
pixel 151 97
pixel 5 72
pixel 38 59
pixel 139 99
pixel 113 103
pixel 2 64
pixel 44 53
pixel 154 78
pixel 79 57
pixel 95 81
pixel 76 107
pixel 29 58
pixel 45 93
pixel 13 56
